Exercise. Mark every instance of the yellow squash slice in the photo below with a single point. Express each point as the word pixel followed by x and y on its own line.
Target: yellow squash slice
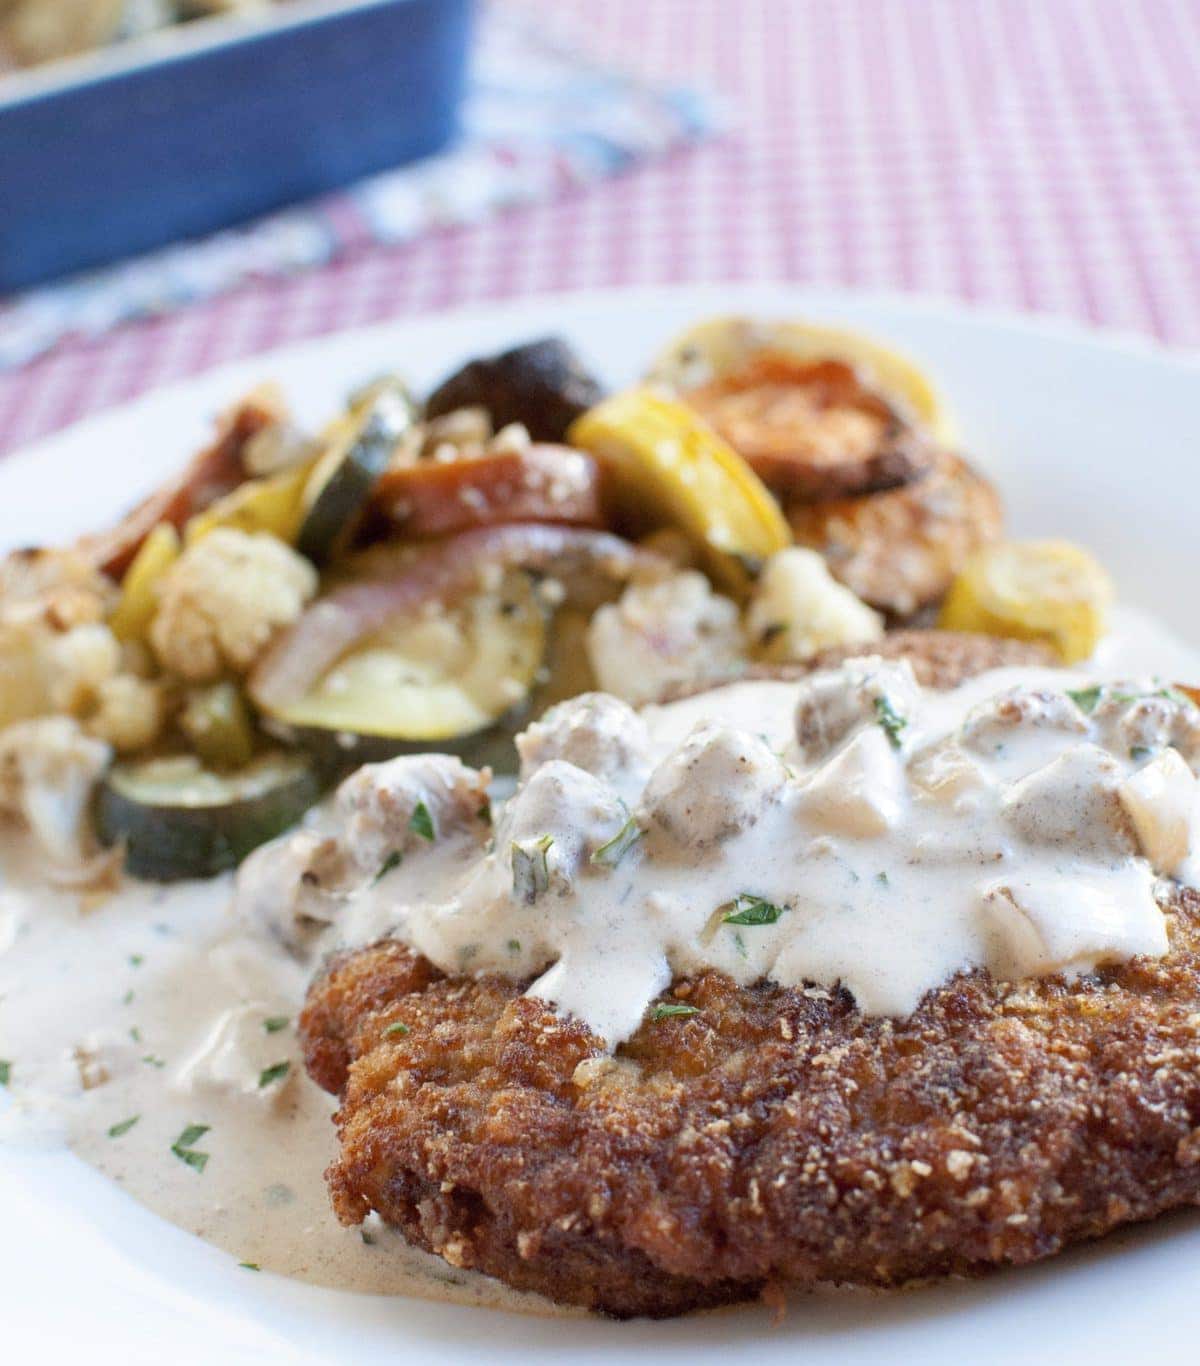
pixel 131 617
pixel 668 469
pixel 274 504
pixel 713 348
pixel 1050 591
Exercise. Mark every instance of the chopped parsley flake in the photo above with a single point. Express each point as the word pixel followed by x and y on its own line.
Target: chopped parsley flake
pixel 612 852
pixel 745 909
pixel 1140 752
pixel 398 1028
pixel 127 999
pixel 890 719
pixel 531 870
pixel 250 1266
pixel 5 1071
pixel 882 879
pixel 1086 698
pixel 123 1127
pixel 274 1023
pixel 136 960
pixel 273 1073
pixel 393 860
pixel 514 946
pixel 421 822
pixel 667 1010
pixel 183 1150
pixel 151 1061
pixel 135 1034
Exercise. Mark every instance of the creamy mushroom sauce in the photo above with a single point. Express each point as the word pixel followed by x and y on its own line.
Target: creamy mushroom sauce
pixel 1025 838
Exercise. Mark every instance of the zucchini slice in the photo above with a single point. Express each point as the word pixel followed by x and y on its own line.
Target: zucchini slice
pixel 443 681
pixel 341 482
pixel 180 820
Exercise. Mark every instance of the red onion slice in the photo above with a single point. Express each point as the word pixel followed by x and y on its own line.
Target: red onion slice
pixel 293 665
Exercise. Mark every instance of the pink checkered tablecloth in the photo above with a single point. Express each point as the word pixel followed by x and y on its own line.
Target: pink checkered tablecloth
pixel 1039 154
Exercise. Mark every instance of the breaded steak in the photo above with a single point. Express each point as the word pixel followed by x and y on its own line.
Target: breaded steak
pixel 778 1135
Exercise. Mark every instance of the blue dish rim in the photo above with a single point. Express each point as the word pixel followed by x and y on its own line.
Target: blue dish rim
pixel 164 46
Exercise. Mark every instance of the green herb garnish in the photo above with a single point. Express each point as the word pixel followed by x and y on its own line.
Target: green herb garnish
pixel 398 1028
pixel 151 1061
pixel 890 719
pixel 135 1034
pixel 250 1266
pixel 531 870
pixel 746 909
pixel 669 1010
pixel 1086 698
pixel 273 1073
pixel 1140 752
pixel 421 822
pixel 882 879
pixel 513 946
pixel 5 1071
pixel 393 860
pixel 612 852
pixel 127 999
pixel 124 1127
pixel 136 960
pixel 274 1023
pixel 183 1150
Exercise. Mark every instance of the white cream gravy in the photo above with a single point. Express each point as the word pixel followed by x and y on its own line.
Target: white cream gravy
pixel 98 990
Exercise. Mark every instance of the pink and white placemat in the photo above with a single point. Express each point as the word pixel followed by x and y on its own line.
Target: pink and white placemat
pixel 1038 154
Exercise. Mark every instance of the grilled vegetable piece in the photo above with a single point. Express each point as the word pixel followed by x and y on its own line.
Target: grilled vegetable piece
pixel 543 483
pixel 273 503
pixel 542 385
pixel 899 550
pixel 131 617
pixel 1050 591
pixel 587 565
pixel 430 681
pixel 179 820
pixel 811 428
pixel 668 468
pixel 340 484
pixel 217 722
pixel 214 472
pixel 715 348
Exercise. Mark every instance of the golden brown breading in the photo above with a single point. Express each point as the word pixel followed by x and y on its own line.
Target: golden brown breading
pixel 775 1136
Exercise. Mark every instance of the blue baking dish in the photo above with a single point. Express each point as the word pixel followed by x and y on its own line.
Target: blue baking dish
pixel 207 124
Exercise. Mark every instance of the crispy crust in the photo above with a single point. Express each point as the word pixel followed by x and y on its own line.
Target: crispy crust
pixel 777 1135
pixel 900 549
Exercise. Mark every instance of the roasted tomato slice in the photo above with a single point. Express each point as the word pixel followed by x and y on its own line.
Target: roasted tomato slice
pixel 811 429
pixel 542 483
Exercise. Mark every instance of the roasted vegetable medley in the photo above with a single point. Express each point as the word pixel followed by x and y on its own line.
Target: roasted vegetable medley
pixel 432 575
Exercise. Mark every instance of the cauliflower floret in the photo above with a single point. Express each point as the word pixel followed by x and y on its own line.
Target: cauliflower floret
pixel 669 631
pixel 716 784
pixel 799 608
pixel 129 712
pixel 223 600
pixel 62 584
pixel 48 768
pixel 600 734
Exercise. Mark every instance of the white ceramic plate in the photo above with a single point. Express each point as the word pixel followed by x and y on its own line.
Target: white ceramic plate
pixel 1088 436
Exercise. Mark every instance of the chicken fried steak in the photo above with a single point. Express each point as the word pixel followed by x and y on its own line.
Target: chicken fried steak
pixel 747 1136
